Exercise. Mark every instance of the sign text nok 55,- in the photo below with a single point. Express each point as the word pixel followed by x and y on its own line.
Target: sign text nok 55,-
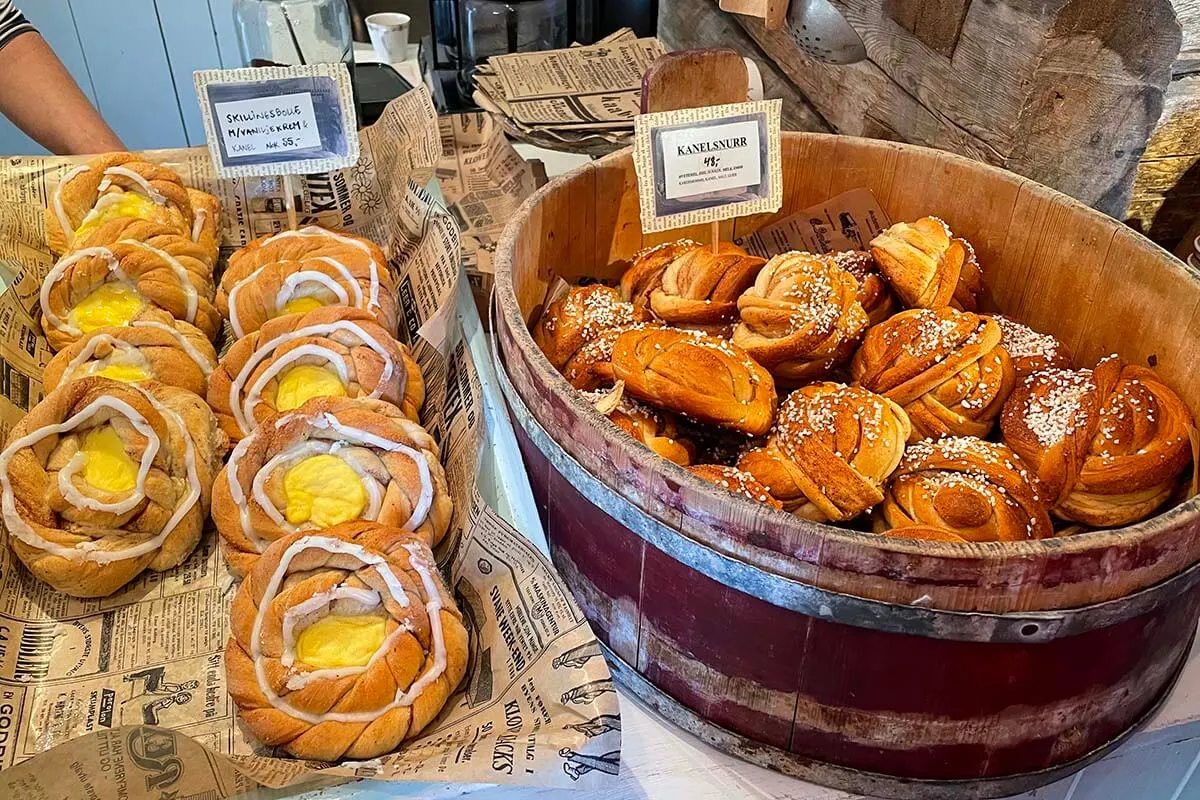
pixel 278 120
pixel 702 165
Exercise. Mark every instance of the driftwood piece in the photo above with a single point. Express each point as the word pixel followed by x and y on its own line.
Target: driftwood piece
pixel 694 78
pixel 692 24
pixel 1066 92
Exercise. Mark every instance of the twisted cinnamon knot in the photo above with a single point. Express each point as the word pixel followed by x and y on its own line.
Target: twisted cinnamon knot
pixel 132 279
pixel 697 375
pixel 801 318
pixel 331 461
pixel 977 490
pixel 1029 350
pixel 171 352
pixel 699 289
pixel 1108 443
pixel 946 368
pixel 298 271
pixel 583 315
pixel 344 643
pixel 652 427
pixel 123 185
pixel 103 479
pixel 734 480
pixel 645 274
pixel 927 265
pixel 873 291
pixel 330 352
pixel 833 448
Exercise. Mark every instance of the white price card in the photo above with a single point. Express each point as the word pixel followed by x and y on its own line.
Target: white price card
pixel 278 120
pixel 701 165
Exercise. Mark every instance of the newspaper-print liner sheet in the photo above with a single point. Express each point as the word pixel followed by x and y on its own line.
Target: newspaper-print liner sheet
pixel 130 690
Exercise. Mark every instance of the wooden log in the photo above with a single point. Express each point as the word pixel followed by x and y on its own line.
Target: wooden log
pixel 702 24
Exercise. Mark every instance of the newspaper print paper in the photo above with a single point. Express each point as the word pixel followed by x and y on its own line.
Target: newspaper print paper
pixel 130 689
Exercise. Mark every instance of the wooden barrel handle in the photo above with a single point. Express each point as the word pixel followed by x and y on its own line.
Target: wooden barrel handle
pixel 694 78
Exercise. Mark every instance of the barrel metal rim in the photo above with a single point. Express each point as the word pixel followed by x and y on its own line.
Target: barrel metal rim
pixel 873 784
pixel 968 626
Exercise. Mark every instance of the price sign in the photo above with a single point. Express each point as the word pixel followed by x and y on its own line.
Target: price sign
pixel 278 120
pixel 702 165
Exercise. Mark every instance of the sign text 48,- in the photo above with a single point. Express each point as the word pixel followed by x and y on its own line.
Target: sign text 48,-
pixel 268 124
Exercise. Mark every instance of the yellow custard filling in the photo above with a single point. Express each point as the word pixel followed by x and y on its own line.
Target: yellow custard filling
pixel 126 204
pixel 302 305
pixel 126 373
pixel 110 305
pixel 341 641
pixel 323 491
pixel 108 467
pixel 302 383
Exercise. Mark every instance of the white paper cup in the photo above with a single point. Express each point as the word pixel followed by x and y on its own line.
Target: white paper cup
pixel 389 36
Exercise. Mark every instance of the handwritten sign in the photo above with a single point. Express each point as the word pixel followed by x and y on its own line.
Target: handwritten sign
pixel 701 165
pixel 278 120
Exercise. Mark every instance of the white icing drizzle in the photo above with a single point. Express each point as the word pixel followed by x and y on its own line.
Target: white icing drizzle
pixel 349 436
pixel 153 194
pixel 72 494
pixel 243 411
pixel 205 364
pixel 87 551
pixel 312 231
pixel 234 320
pixel 433 608
pixel 297 279
pixel 64 221
pixel 185 282
pixel 340 599
pixel 290 357
pixel 201 214
pixel 351 282
pixel 130 353
pixel 56 273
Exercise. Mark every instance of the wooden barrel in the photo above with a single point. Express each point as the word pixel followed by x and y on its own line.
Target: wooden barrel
pixel 876 664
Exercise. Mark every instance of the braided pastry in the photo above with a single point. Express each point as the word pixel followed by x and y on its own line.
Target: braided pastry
pixel 945 368
pixel 1109 443
pixel 103 479
pixel 330 352
pixel 697 375
pixel 334 460
pixel 173 353
pixel 1029 350
pixel 653 428
pixel 302 270
pixel 770 467
pixel 734 480
pixel 344 643
pixel 197 260
pixel 801 318
pixel 114 285
pixel 584 314
pixel 979 491
pixel 928 266
pixel 119 185
pixel 836 445
pixel 645 273
pixel 699 289
pixel 874 294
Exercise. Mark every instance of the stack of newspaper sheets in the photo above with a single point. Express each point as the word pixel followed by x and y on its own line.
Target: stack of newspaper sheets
pixel 582 96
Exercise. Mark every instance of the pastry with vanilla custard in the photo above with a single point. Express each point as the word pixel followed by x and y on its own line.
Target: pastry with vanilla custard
pixel 333 460
pixel 344 642
pixel 171 352
pixel 103 479
pixel 298 271
pixel 122 185
pixel 118 283
pixel 329 352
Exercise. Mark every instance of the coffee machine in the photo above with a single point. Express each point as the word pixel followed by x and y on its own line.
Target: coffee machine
pixel 465 33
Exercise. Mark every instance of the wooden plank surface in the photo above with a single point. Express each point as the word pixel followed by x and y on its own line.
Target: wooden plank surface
pixel 937 23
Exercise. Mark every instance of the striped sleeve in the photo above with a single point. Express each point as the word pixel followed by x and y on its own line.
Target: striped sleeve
pixel 12 22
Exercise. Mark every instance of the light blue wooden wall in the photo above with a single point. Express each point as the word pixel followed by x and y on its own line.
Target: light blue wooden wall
pixel 134 59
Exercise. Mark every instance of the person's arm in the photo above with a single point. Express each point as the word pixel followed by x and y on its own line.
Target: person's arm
pixel 41 98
